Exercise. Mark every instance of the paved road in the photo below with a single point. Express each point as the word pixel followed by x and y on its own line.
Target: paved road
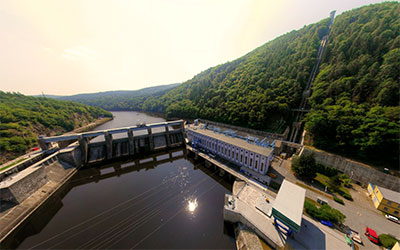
pixel 359 213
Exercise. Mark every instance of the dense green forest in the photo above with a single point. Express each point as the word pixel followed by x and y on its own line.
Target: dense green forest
pixel 23 118
pixel 118 100
pixel 355 98
pixel 257 90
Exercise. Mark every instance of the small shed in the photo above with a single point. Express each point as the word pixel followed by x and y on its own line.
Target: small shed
pixel 288 206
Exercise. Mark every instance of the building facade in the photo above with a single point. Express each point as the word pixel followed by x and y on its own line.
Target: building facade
pixel 238 151
pixel 385 200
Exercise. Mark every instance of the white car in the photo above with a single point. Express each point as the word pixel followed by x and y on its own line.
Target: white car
pixel 392 218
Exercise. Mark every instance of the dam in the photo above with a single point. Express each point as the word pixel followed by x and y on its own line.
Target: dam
pixel 157 199
pixel 139 139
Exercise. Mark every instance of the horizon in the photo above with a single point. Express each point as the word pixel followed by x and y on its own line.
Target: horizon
pixel 48 51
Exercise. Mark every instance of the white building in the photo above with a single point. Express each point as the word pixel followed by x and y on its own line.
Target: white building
pixel 251 157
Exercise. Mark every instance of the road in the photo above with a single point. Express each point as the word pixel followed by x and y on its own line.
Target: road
pixel 360 213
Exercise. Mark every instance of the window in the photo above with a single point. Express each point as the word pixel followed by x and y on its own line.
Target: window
pixel 256 164
pixel 385 208
pixel 262 166
pixel 396 212
pixel 233 154
pixel 241 158
pixel 229 152
pixel 237 156
pixel 389 202
pixel 245 160
pixel 251 162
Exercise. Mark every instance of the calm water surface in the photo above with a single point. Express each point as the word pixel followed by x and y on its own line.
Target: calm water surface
pixel 159 201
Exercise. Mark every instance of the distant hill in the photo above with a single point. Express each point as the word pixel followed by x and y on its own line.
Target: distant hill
pixel 24 118
pixel 117 100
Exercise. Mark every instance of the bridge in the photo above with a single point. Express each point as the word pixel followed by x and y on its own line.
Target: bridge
pixel 135 140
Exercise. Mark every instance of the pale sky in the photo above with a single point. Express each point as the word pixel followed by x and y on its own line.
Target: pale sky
pixel 83 46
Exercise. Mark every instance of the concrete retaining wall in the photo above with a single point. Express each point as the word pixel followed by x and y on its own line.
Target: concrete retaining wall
pixel 19 189
pixel 21 166
pixel 71 155
pixel 357 171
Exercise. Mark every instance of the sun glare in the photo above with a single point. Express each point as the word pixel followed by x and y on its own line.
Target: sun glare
pixel 192 205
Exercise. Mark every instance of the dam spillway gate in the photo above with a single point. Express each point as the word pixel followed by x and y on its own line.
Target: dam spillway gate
pixel 138 140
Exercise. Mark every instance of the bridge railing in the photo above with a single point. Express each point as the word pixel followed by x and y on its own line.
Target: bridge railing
pixel 44 141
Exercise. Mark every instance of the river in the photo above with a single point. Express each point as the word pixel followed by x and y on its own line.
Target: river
pixel 159 201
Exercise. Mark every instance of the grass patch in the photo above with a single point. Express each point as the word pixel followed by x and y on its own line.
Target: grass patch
pixel 313 189
pixel 322 178
pixel 344 190
pixel 323 181
pixel 309 200
pixel 12 164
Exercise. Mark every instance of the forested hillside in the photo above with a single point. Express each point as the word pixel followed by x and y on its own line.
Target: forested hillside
pixel 118 100
pixel 257 90
pixel 355 98
pixel 23 118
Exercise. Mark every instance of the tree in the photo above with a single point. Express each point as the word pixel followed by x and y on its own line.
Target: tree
pixel 305 166
pixel 334 183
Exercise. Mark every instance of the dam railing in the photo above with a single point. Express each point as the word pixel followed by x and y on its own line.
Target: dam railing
pixel 139 139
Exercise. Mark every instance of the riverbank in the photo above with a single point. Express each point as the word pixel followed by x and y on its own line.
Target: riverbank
pixel 92 125
pixel 11 159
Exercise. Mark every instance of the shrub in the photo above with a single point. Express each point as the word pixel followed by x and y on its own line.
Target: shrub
pixel 387 241
pixel 325 170
pixel 325 212
pixel 338 200
pixel 347 196
pixel 334 183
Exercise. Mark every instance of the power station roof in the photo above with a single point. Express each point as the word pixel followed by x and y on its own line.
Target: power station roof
pixel 234 141
pixel 289 203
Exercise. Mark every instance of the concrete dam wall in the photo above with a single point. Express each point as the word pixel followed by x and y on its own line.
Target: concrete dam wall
pixel 26 189
pixel 140 140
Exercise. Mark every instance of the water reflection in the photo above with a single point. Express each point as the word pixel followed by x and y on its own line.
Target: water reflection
pixel 192 205
pixel 138 206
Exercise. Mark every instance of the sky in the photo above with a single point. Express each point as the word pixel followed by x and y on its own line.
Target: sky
pixel 82 46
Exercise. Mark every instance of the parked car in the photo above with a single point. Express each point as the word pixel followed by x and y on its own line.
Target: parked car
pixel 372 235
pixel 327 223
pixel 321 201
pixel 355 236
pixel 392 218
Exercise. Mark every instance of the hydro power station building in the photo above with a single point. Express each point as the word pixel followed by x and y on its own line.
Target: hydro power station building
pixel 253 159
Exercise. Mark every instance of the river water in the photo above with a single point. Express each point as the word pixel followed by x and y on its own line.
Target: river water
pixel 159 201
